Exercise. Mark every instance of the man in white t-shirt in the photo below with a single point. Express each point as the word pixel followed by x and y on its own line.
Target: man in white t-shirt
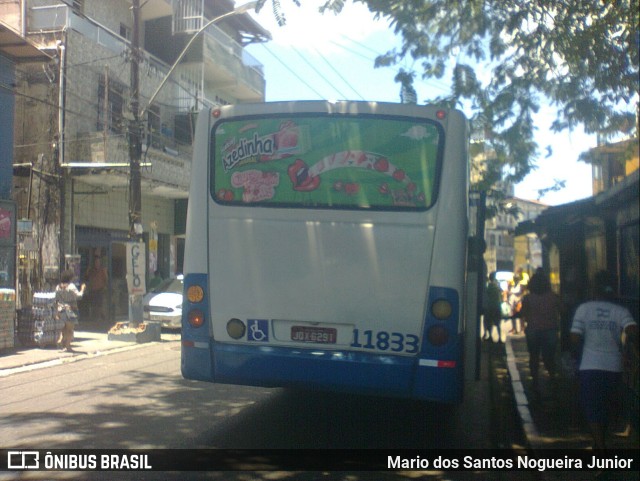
pixel 600 328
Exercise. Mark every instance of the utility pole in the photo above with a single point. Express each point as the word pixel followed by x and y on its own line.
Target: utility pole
pixel 135 154
pixel 136 258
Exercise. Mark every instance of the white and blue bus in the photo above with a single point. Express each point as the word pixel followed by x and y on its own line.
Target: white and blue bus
pixel 326 248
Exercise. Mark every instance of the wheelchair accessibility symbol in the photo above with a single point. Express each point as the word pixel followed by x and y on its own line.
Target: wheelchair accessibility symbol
pixel 258 330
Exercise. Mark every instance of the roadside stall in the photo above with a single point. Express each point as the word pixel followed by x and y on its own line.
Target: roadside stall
pixel 39 325
pixel 7 273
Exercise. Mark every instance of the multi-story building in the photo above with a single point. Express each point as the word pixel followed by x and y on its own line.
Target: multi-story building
pixel 14 51
pixel 71 161
pixel 505 251
pixel 612 163
pixel 503 211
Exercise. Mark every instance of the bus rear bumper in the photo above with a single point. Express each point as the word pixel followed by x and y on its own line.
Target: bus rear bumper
pixel 346 371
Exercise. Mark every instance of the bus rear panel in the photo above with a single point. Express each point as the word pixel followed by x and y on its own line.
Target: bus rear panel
pixel 325 248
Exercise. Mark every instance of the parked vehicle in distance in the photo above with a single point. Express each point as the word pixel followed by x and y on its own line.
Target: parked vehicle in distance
pixel 164 303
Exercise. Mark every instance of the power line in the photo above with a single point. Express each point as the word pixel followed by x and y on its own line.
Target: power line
pixel 360 44
pixel 432 83
pixel 81 64
pixel 338 73
pixel 318 72
pixel 351 51
pixel 92 103
pixel 292 72
pixel 36 99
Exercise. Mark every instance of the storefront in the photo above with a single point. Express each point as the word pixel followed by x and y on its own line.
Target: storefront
pixel 110 247
pixel 7 272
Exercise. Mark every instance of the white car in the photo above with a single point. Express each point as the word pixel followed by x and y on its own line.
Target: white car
pixel 164 303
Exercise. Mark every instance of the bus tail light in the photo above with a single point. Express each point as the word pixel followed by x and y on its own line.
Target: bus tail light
pixel 195 293
pixel 196 318
pixel 438 335
pixel 441 309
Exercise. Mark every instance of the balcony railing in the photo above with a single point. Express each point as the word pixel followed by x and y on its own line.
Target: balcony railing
pixel 233 47
pixel 228 54
pixel 188 16
pixel 226 67
pixel 48 18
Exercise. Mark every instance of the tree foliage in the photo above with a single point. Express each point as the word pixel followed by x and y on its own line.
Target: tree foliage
pixel 502 57
pixel 277 9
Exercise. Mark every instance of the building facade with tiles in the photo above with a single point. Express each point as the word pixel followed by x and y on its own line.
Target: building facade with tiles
pixel 72 117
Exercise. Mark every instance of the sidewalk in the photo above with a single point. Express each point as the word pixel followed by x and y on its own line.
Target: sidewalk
pixel 551 415
pixel 90 340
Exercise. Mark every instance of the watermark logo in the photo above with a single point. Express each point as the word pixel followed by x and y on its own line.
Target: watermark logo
pixel 23 459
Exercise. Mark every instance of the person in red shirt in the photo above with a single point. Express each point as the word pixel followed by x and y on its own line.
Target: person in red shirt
pixel 97 282
pixel 541 314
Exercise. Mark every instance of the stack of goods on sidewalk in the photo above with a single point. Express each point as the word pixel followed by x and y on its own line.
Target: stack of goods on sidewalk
pixel 40 325
pixel 7 314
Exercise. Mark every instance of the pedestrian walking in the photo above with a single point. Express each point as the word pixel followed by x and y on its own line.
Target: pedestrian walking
pixel 516 293
pixel 492 307
pixel 67 296
pixel 541 314
pixel 97 281
pixel 155 281
pixel 600 331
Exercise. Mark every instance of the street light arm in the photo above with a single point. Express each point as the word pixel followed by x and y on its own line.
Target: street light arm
pixel 241 9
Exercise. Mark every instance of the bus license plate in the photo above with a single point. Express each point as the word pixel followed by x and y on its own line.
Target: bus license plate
pixel 321 335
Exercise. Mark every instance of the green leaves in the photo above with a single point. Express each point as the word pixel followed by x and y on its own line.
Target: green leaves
pixel 501 56
pixel 277 10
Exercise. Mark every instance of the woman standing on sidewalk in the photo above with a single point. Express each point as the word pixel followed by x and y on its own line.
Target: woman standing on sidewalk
pixel 598 330
pixel 541 313
pixel 67 296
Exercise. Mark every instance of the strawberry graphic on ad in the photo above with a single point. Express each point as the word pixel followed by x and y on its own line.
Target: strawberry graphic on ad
pixel 381 165
pixel 225 195
pixel 306 178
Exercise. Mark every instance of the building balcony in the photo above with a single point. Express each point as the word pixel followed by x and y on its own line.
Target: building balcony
pixel 223 70
pixel 217 66
pixel 229 67
pixel 166 170
pixel 13 42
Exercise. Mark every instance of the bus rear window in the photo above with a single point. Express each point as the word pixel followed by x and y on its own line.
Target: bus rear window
pixel 326 161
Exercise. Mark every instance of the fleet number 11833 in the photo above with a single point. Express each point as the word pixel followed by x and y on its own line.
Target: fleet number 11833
pixel 385 341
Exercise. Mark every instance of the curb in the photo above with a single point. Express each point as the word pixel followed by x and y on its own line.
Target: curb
pixel 32 366
pixel 522 402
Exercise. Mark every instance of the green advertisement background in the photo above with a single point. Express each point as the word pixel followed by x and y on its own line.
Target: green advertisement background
pixel 409 145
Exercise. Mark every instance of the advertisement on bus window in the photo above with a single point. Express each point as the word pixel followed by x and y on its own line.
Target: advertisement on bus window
pixel 326 162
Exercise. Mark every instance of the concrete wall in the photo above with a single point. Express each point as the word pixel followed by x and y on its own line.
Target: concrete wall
pixel 7 104
pixel 111 210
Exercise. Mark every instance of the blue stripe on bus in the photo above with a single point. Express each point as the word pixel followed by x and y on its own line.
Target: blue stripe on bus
pixel 366 373
pixel 357 372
